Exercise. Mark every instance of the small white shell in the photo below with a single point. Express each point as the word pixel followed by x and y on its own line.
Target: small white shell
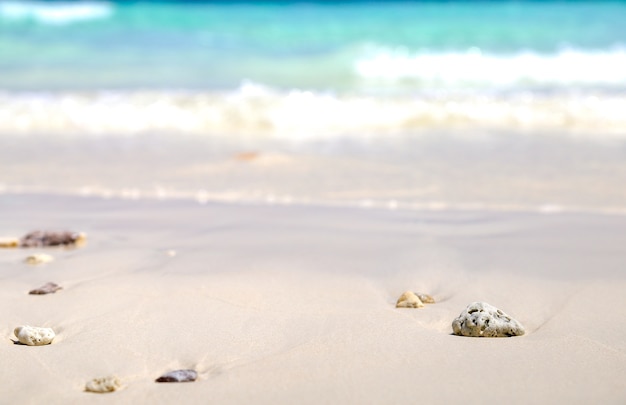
pixel 425 298
pixel 103 385
pixel 39 258
pixel 409 300
pixel 34 336
pixel 9 242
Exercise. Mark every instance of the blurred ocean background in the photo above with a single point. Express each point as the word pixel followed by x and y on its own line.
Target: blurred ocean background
pixel 311 68
pixel 518 84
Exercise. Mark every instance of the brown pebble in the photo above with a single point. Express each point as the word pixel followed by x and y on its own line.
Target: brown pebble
pixel 46 238
pixel 48 288
pixel 178 376
pixel 246 156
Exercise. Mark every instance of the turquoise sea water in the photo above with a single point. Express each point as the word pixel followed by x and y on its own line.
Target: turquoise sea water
pixel 512 105
pixel 263 67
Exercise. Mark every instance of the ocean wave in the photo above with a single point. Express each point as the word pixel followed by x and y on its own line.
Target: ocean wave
pixel 57 13
pixel 567 67
pixel 256 110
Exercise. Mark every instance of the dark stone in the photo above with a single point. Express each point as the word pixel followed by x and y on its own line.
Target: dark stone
pixel 47 288
pixel 178 376
pixel 46 238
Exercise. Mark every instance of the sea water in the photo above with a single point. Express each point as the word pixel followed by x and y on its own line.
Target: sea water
pixel 367 79
pixel 310 68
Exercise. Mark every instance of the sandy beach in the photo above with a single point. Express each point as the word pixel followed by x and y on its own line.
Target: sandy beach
pixel 277 304
pixel 259 182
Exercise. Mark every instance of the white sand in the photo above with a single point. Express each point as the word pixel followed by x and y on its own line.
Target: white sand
pixel 283 304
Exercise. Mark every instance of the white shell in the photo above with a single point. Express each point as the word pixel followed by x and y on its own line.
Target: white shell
pixel 409 300
pixel 9 242
pixel 425 298
pixel 34 336
pixel 104 384
pixel 39 258
pixel 480 319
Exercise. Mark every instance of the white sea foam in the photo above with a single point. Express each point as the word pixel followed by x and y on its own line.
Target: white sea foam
pixel 474 68
pixel 255 110
pixel 203 197
pixel 56 12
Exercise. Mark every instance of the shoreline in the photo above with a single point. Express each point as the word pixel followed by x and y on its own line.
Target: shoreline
pixel 203 197
pixel 289 303
pixel 437 171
